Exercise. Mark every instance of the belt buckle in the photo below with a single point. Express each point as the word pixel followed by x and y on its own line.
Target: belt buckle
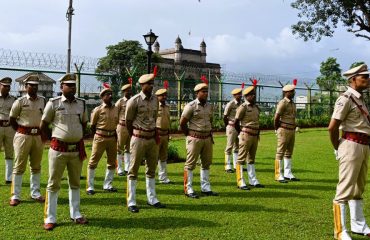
pixel 71 147
pixel 34 131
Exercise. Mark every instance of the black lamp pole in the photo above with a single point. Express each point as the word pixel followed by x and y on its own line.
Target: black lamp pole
pixel 150 38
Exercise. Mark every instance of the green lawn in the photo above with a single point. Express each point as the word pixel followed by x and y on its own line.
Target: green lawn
pixel 297 210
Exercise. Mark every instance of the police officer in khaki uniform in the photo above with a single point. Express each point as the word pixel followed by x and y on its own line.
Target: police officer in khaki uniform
pixel 25 118
pixel 104 120
pixel 123 141
pixel 163 129
pixel 196 123
pixel 141 116
pixel 352 151
pixel 231 134
pixel 284 123
pixel 247 123
pixel 6 131
pixel 68 118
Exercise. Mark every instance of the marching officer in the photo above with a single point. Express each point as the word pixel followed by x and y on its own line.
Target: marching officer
pixel 231 133
pixel 123 141
pixel 6 131
pixel 247 123
pixel 104 120
pixel 163 128
pixel 141 116
pixel 284 123
pixel 352 151
pixel 25 118
pixel 68 118
pixel 196 123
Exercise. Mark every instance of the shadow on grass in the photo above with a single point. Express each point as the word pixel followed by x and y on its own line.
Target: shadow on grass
pixel 155 223
pixel 265 194
pixel 223 208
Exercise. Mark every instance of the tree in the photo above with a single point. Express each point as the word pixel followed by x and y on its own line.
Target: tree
pixel 355 64
pixel 330 77
pixel 321 18
pixel 126 59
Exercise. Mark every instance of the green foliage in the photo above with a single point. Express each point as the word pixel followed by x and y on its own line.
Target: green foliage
pixel 355 64
pixel 330 76
pixel 173 153
pixel 218 124
pixel 123 60
pixel 320 18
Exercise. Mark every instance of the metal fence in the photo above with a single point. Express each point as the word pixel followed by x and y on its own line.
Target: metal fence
pixel 311 101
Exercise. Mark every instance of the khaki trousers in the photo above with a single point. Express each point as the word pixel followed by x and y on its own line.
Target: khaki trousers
pixel 143 149
pixel 247 148
pixel 101 144
pixel 196 147
pixel 353 158
pixel 163 148
pixel 24 146
pixel 6 140
pixel 285 143
pixel 232 140
pixel 58 161
pixel 123 139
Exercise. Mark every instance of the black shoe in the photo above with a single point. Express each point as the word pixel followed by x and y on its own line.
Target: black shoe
pixel 245 169
pixel 258 186
pixel 112 189
pixel 282 181
pixel 82 177
pixel 90 192
pixel 133 209
pixel 362 234
pixel 8 182
pixel 121 174
pixel 229 171
pixel 292 179
pixel 191 195
pixel 157 205
pixel 210 193
pixel 244 188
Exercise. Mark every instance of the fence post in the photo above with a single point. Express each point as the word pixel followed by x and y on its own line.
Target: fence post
pixel 219 97
pixel 78 86
pixel 178 79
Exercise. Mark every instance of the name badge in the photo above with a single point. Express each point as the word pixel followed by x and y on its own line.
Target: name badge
pixel 34 131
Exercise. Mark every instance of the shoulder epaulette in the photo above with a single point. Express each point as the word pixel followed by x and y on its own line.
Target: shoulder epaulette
pixel 22 97
pixel 192 103
pixel 55 98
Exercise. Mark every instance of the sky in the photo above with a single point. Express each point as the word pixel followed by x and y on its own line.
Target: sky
pixel 244 36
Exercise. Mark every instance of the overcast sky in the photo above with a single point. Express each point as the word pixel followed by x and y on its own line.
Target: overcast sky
pixel 241 35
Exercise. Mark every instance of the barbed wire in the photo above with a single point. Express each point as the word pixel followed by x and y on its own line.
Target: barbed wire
pixel 44 61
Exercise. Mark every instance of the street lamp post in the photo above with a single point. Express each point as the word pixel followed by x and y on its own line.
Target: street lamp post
pixel 150 38
pixel 69 19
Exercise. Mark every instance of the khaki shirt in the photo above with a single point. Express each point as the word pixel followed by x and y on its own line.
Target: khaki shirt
pixel 347 111
pixel 28 112
pixel 105 117
pixel 200 117
pixel 121 105
pixel 66 118
pixel 5 106
pixel 248 115
pixel 230 109
pixel 163 120
pixel 286 109
pixel 142 111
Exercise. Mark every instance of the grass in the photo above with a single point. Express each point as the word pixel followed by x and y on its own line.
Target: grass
pixel 297 210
